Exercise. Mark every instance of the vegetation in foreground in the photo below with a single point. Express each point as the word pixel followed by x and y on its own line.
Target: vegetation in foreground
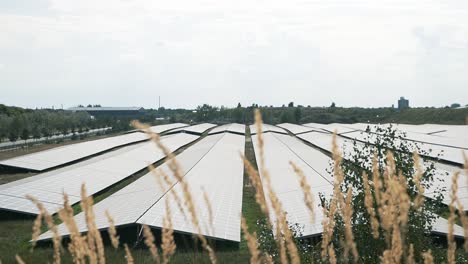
pixel 377 213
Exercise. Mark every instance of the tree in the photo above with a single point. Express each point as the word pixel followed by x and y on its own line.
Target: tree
pixel 287 117
pixel 291 104
pixel 25 134
pixel 297 115
pixel 239 105
pixel 333 105
pixel 374 160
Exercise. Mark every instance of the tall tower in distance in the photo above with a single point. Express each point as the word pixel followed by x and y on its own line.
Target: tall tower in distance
pixel 403 103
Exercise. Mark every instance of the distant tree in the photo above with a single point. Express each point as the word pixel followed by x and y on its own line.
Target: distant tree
pixel 333 105
pixel 36 132
pixel 239 105
pixel 25 134
pixel 90 105
pixel 291 104
pixel 16 127
pixel 297 115
pixel 287 117
pixel 455 105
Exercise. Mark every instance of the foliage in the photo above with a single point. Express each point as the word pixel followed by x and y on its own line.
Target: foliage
pixel 360 158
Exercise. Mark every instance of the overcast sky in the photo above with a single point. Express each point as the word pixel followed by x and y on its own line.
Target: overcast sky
pixel 127 53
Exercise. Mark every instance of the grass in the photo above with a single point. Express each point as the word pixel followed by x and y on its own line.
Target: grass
pixel 250 209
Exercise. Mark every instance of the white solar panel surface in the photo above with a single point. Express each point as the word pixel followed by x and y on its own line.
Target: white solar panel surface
pixel 234 128
pixel 297 129
pixel 97 176
pixel 144 202
pixel 435 151
pixel 62 155
pixel 339 128
pixel 220 173
pixel 279 150
pixel 442 181
pixel 130 203
pixel 267 128
pixel 163 128
pixel 197 129
pixel 276 158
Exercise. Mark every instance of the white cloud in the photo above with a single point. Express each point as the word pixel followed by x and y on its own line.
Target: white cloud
pixel 222 52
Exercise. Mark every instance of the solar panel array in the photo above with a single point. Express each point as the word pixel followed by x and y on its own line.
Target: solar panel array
pixel 232 128
pixel 213 164
pixel 267 128
pixel 442 181
pixel 196 129
pixel 47 159
pixel 296 129
pixel 163 128
pixel 279 150
pixel 96 175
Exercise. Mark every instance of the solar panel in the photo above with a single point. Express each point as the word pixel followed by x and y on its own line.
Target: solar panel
pixel 320 163
pixel 331 128
pixel 267 128
pixel 143 202
pixel 196 129
pixel 296 129
pixel 446 153
pixel 233 128
pixel 279 150
pixel 96 175
pixel 220 173
pixel 62 155
pixel 163 128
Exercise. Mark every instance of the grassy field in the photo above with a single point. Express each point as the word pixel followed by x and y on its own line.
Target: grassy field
pixel 15 229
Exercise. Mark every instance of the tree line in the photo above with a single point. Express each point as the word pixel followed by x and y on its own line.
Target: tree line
pixel 18 123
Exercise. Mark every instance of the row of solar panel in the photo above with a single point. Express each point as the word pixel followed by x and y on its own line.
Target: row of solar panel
pixel 141 203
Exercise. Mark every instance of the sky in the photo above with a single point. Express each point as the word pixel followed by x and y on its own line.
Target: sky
pixel 127 53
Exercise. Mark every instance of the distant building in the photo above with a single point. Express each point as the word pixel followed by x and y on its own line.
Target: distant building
pixel 108 110
pixel 403 103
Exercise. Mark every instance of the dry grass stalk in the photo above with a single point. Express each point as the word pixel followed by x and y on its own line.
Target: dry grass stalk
pixel 419 200
pixel 18 259
pixel 451 244
pixel 128 255
pixel 159 173
pixel 112 231
pixel 350 245
pixel 280 244
pixel 56 238
pixel 177 172
pixel 410 258
pixel 149 242
pixel 369 203
pixel 331 254
pixel 210 209
pixel 306 190
pixel 257 184
pixel 36 230
pixel 168 245
pixel 77 246
pixel 251 239
pixel 282 229
pixel 328 222
pixel 95 243
pixel 427 256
